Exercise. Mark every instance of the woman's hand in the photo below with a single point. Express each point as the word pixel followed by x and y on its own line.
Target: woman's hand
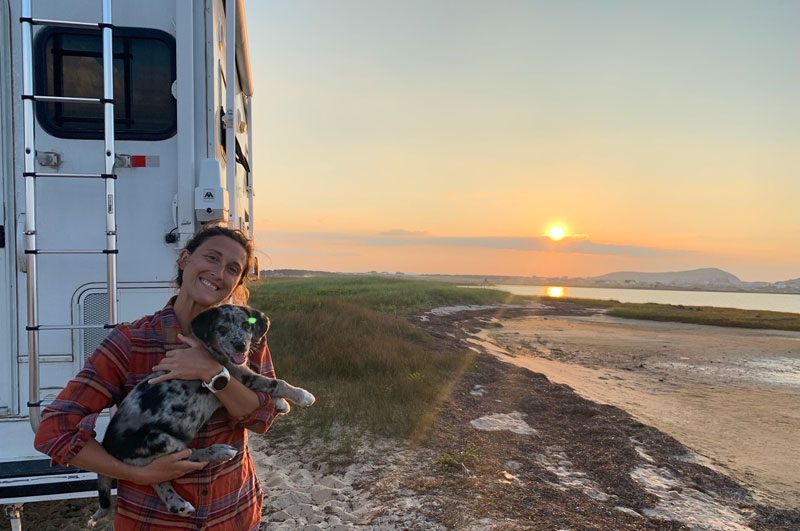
pixel 166 468
pixel 193 363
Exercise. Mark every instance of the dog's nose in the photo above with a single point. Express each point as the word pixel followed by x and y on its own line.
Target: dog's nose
pixel 239 347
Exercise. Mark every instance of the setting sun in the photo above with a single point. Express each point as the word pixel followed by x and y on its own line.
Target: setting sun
pixel 556 233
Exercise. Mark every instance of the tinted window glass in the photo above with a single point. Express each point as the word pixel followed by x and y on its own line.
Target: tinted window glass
pixel 70 63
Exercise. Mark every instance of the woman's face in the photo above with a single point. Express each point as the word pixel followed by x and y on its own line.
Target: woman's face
pixel 213 270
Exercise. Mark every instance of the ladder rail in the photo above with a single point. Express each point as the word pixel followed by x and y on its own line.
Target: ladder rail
pixel 31 250
pixel 30 214
pixel 110 158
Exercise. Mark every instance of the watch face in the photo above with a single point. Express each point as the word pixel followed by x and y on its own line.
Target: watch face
pixel 220 383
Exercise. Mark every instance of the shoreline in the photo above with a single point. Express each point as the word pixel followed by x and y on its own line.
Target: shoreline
pixel 719 399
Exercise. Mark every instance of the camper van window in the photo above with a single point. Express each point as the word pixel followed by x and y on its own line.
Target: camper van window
pixel 70 63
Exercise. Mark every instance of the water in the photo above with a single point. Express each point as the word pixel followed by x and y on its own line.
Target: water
pixel 777 302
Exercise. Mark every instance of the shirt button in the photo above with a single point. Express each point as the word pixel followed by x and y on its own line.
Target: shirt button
pixel 204 492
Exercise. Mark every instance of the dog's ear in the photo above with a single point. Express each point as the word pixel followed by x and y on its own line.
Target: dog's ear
pixel 261 324
pixel 203 325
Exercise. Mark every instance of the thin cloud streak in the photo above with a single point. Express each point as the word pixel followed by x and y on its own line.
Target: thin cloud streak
pixel 569 245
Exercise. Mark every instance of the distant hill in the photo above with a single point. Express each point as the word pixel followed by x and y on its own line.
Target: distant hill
pixel 695 277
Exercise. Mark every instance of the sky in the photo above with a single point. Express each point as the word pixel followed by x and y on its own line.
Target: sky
pixel 450 136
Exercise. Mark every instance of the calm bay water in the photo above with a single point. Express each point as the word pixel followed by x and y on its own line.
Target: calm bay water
pixel 778 302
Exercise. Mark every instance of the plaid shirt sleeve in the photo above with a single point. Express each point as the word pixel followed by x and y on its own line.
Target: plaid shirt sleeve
pixel 69 421
pixel 260 420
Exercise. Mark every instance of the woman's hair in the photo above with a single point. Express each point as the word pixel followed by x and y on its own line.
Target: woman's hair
pixel 240 293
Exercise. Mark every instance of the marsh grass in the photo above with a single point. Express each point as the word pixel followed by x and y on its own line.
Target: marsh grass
pixel 372 372
pixel 705 315
pixel 397 296
pixel 708 315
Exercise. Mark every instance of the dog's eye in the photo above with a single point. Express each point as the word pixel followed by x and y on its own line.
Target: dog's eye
pixel 222 329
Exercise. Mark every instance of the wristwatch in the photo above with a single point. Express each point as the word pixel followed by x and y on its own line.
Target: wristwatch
pixel 219 381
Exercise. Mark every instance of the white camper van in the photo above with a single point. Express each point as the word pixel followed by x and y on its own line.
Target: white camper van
pixel 124 126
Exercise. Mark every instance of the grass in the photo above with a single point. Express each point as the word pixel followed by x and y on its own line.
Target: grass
pixel 346 341
pixel 708 315
pixel 705 315
pixel 458 461
pixel 383 294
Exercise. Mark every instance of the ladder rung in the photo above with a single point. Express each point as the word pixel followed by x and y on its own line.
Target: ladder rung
pixel 73 175
pixel 61 23
pixel 68 327
pixel 70 251
pixel 63 99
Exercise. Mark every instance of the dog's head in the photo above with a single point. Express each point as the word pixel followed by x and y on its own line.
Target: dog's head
pixel 229 331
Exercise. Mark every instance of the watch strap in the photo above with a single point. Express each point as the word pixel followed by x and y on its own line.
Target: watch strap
pixel 223 374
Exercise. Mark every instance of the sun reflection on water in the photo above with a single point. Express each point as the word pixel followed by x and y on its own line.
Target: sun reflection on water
pixel 555 291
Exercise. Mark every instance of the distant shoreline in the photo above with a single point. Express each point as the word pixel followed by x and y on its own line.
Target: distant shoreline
pixel 499 280
pixel 660 288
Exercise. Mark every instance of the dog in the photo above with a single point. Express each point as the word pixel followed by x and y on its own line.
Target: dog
pixel 163 418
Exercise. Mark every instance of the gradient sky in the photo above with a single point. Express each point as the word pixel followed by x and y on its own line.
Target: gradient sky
pixel 448 136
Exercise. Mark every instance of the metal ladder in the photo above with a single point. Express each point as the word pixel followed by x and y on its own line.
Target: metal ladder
pixel 30 174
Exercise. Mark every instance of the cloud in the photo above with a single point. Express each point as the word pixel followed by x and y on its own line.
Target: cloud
pixel 567 245
pixel 301 251
pixel 402 232
pixel 578 244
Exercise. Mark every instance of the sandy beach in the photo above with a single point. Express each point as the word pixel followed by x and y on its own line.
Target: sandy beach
pixel 667 431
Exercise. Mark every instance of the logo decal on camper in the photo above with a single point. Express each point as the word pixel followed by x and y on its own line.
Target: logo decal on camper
pixel 208 195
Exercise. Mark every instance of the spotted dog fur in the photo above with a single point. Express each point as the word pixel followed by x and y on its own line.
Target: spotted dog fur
pixel 160 419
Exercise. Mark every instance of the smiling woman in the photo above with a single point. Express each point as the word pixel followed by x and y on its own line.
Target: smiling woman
pixel 211 269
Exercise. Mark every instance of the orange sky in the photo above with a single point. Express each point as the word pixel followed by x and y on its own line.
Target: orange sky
pixel 447 137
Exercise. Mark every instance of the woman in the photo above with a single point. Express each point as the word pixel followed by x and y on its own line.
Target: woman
pixel 211 269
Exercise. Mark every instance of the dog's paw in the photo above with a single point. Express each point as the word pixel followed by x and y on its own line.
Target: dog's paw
pixel 96 517
pixel 181 507
pixel 306 398
pixel 221 452
pixel 282 406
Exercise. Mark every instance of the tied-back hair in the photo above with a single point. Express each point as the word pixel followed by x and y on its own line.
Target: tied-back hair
pixel 240 293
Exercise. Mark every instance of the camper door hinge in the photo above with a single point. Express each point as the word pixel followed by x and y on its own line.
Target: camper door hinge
pixel 227 119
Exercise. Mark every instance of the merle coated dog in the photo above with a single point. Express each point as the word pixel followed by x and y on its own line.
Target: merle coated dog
pixel 163 418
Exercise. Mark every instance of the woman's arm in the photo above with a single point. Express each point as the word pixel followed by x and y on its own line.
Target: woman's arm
pixel 68 422
pixel 253 410
pixel 195 363
pixel 94 458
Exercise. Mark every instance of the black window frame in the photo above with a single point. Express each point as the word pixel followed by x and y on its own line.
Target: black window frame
pixel 40 84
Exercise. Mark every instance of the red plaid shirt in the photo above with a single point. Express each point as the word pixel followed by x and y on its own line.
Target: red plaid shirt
pixel 227 495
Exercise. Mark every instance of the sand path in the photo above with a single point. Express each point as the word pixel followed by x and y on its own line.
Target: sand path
pixel 730 394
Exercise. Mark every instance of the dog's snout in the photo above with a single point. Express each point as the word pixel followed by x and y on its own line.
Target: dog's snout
pixel 239 347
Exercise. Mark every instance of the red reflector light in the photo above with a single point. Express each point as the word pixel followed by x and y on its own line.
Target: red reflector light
pixel 138 161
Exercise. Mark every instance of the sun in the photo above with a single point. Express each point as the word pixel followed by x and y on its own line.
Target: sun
pixel 556 233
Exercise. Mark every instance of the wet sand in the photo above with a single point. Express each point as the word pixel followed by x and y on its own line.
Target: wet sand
pixel 731 395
